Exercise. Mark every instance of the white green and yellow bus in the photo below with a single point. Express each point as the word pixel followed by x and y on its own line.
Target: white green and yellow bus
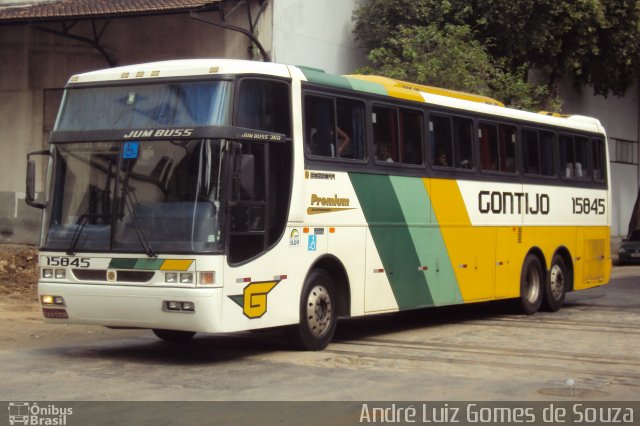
pixel 224 195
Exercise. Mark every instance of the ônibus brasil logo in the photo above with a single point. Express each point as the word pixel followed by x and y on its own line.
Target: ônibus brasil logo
pixel 25 413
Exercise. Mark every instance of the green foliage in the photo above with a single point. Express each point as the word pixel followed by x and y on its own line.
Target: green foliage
pixel 451 58
pixel 503 44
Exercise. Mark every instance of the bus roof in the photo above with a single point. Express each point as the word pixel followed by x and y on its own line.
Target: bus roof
pixel 364 83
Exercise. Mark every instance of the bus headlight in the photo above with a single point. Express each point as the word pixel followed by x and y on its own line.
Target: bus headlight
pixel 171 278
pixel 52 300
pixel 60 274
pixel 47 273
pixel 186 278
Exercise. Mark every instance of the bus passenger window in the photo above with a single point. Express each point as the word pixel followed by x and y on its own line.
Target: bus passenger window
pixel 547 157
pixel 350 130
pixel 319 126
pixel 324 138
pixel 385 134
pixel 573 157
pixel 598 160
pixel 462 143
pixel 497 147
pixel 442 152
pixel 488 135
pixel 452 142
pixel 537 152
pixel 264 105
pixel 411 136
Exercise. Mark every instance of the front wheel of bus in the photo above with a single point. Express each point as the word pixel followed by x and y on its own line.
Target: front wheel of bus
pixel 555 285
pixel 174 336
pixel 531 285
pixel 318 316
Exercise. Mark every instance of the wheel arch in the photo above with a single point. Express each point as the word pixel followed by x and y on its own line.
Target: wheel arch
pixel 536 251
pixel 338 273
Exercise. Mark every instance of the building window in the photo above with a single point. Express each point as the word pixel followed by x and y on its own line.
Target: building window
pixel 625 151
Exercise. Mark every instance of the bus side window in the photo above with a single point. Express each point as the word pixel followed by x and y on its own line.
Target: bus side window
pixel 462 143
pixel 537 152
pixel 573 157
pixel 547 157
pixel 530 152
pixel 497 147
pixel 599 164
pixel 350 131
pixel 442 152
pixel 319 125
pixel 488 135
pixel 264 105
pixel 507 147
pixel 385 134
pixel 411 136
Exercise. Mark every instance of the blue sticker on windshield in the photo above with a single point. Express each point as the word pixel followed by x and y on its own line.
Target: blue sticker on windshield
pixel 130 150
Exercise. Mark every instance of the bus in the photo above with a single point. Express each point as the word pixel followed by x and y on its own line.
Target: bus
pixel 219 196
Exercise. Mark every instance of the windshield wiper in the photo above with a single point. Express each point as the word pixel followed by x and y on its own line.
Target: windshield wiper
pixel 82 221
pixel 142 235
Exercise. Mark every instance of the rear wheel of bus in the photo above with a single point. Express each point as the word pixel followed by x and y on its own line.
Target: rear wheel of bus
pixel 556 285
pixel 531 285
pixel 318 315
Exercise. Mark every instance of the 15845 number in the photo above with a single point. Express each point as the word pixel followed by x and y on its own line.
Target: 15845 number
pixel 78 262
pixel 588 205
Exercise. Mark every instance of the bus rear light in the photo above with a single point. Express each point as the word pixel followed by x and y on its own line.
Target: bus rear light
pixel 207 278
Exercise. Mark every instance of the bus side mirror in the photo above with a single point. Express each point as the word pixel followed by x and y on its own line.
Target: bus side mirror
pixel 245 176
pixel 30 198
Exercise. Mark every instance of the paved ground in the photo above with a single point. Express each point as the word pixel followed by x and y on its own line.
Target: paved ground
pixel 588 350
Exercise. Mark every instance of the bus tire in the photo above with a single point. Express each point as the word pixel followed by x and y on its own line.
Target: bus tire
pixel 531 285
pixel 174 336
pixel 556 285
pixel 318 315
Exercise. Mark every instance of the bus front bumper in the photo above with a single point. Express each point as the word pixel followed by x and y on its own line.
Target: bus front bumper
pixel 187 309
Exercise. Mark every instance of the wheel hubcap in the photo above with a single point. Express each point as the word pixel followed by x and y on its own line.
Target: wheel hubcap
pixel 556 280
pixel 319 310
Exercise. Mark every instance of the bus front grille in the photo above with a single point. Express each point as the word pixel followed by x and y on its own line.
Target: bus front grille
pixel 121 275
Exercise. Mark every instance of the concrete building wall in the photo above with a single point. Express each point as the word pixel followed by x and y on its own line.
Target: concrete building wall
pixel 33 63
pixel 619 116
pixel 318 34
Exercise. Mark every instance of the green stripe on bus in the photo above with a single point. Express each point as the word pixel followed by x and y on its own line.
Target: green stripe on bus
pixel 427 239
pixel 315 75
pixel 122 263
pixel 393 240
pixel 149 264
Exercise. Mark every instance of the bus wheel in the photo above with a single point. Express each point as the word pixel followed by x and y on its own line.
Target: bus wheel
pixel 555 285
pixel 318 316
pixel 531 285
pixel 174 336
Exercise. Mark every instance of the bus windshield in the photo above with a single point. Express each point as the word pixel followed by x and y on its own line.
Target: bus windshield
pixel 145 106
pixel 136 196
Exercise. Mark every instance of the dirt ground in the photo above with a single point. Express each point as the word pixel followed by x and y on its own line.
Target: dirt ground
pixel 18 272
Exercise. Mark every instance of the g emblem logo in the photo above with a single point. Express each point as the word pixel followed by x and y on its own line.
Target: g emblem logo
pixel 253 299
